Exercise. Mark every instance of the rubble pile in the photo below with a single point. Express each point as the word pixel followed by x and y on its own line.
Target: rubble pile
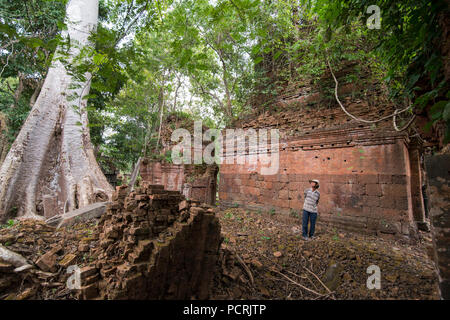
pixel 152 245
pixel 51 251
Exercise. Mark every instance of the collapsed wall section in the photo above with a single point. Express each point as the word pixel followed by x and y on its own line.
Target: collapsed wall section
pixel 152 245
pixel 196 182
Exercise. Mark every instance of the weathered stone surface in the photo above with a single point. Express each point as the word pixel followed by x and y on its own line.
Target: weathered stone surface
pixel 438 172
pixel 67 260
pixel 192 181
pixel 88 212
pixel 47 262
pixel 363 175
pixel 148 249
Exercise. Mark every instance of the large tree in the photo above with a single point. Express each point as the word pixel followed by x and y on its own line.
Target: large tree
pixel 52 157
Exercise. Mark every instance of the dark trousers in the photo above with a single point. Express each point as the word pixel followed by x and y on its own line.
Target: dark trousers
pixel 311 217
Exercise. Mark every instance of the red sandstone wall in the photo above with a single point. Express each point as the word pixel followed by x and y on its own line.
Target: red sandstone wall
pixel 365 181
pixel 181 178
pixel 171 176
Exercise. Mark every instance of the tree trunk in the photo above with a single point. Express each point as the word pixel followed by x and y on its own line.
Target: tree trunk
pixel 53 154
pixel 3 138
pixel 161 108
pixel 229 109
pixel 18 92
pixel 36 92
pixel 174 107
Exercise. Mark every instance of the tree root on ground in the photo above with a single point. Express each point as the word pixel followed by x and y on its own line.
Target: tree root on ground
pixel 15 259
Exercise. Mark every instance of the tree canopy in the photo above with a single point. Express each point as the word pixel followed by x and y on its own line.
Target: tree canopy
pixel 208 59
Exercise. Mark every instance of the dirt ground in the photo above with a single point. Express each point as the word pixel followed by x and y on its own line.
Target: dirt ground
pixel 263 256
pixel 32 239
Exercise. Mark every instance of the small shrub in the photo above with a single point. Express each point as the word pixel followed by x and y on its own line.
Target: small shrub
pixel 10 223
pixel 228 215
pixel 294 213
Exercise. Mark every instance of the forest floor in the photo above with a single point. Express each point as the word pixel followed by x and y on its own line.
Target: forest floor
pixel 265 257
pixel 261 257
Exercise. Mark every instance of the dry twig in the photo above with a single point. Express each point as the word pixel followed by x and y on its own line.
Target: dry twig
pixel 246 268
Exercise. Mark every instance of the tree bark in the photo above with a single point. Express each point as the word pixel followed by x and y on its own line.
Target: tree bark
pixel 161 108
pixel 3 138
pixel 17 93
pixel 36 92
pixel 53 154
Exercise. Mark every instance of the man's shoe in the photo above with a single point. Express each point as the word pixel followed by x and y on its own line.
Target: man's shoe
pixel 305 238
pixel 312 238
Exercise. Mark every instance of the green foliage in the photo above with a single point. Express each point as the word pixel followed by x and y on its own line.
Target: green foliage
pixel 200 59
pixel 408 45
pixel 10 223
pixel 293 213
pixel 228 215
pixel 29 34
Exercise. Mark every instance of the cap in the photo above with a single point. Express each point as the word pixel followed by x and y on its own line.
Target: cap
pixel 316 181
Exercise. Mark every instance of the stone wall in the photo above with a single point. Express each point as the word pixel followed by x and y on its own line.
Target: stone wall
pixel 152 245
pixel 169 175
pixel 438 173
pixel 365 180
pixel 194 182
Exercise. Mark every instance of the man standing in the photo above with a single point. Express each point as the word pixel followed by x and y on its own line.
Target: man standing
pixel 312 196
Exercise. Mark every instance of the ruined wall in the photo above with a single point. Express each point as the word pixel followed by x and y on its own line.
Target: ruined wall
pixel 194 182
pixel 365 180
pixel 152 245
pixel 171 176
pixel 370 174
pixel 438 172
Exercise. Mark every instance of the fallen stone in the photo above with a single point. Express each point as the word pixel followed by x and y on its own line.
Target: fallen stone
pixel 257 264
pixel 332 278
pixel 89 291
pixel 87 272
pixel 83 247
pixel 295 230
pixel 47 262
pixel 68 260
pixel 277 254
pixel 183 205
pixel 88 212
